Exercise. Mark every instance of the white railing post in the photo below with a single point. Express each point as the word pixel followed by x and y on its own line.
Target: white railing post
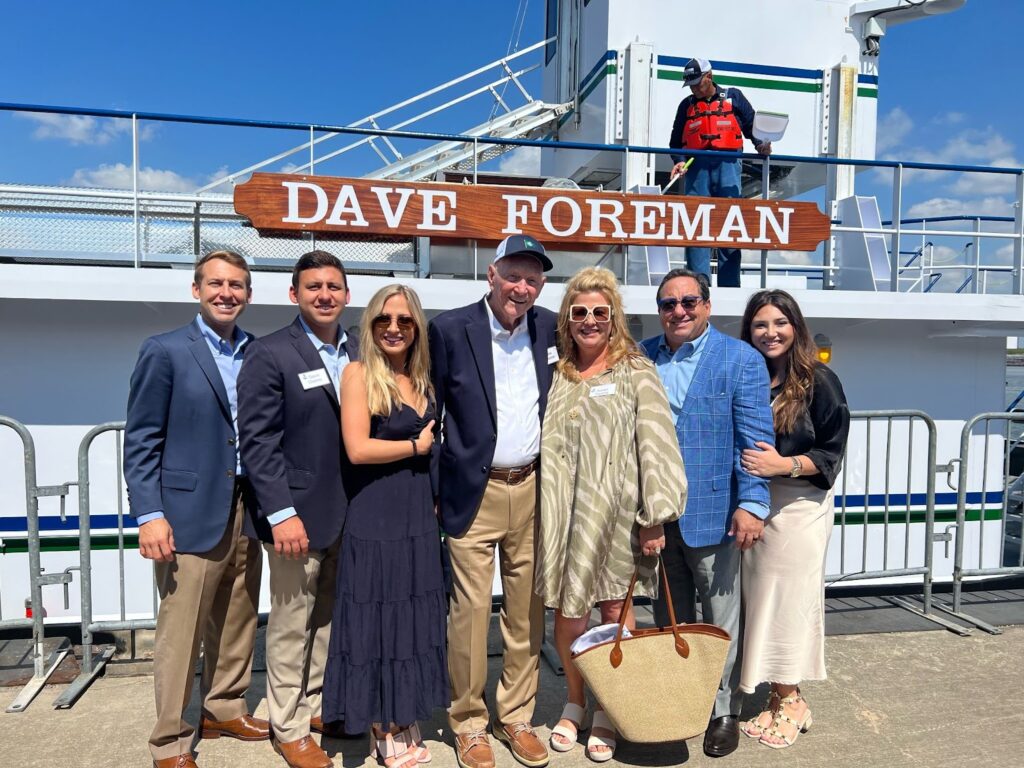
pixel 977 287
pixel 1018 240
pixel 135 190
pixel 897 214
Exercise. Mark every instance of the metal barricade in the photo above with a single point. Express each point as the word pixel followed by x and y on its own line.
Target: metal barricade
pixel 92 664
pixel 988 520
pixel 881 513
pixel 42 667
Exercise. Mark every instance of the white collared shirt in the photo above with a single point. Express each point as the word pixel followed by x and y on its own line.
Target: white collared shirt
pixel 516 393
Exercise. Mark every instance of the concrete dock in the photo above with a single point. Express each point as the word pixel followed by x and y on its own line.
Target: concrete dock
pixel 923 698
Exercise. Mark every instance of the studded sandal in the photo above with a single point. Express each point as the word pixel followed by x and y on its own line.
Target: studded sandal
pixel 802 725
pixel 753 727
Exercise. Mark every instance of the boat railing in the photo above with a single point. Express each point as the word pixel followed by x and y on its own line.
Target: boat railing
pixel 127 224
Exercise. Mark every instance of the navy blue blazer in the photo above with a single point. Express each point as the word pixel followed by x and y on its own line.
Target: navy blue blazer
pixel 727 408
pixel 291 436
pixel 462 369
pixel 179 440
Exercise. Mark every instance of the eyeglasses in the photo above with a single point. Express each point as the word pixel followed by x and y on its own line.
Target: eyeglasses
pixel 689 303
pixel 405 323
pixel 602 313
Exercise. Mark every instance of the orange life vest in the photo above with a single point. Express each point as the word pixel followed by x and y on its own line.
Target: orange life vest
pixel 712 124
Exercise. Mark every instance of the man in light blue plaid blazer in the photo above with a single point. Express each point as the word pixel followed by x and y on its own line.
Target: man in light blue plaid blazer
pixel 719 393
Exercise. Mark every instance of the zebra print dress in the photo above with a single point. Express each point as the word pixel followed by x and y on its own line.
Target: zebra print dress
pixel 610 464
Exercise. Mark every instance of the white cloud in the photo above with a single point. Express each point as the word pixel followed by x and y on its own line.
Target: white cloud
pixel 289 168
pixel 119 176
pixel 82 129
pixel 948 206
pixel 524 161
pixel 892 128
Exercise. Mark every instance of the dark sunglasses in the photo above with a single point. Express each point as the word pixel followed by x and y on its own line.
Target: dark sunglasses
pixel 689 303
pixel 383 322
pixel 602 313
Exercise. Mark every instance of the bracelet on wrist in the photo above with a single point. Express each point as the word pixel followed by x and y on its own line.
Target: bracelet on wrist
pixel 415 450
pixel 797 466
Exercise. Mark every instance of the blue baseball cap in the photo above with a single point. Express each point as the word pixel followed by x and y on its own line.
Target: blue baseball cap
pixel 514 245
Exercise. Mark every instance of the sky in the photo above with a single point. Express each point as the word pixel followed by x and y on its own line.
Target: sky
pixel 948 84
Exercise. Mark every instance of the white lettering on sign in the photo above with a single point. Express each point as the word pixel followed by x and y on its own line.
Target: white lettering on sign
pixel 574 212
pixel 435 213
pixel 768 217
pixel 347 204
pixel 733 222
pixel 517 207
pixel 680 215
pixel 393 216
pixel 596 217
pixel 293 188
pixel 558 217
pixel 645 211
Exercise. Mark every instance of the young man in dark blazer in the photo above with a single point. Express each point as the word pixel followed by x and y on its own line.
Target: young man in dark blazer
pixel 491 365
pixel 290 429
pixel 188 491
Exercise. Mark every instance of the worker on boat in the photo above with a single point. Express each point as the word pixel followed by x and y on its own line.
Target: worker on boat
pixel 712 118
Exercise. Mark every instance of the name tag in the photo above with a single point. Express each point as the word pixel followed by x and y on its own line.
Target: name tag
pixel 552 355
pixel 313 379
pixel 602 390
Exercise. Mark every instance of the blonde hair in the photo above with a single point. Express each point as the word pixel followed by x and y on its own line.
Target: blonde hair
pixel 620 341
pixel 382 395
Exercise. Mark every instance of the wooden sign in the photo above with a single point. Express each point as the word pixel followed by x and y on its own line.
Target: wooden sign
pixel 276 203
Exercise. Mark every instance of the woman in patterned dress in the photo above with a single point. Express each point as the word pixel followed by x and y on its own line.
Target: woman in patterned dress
pixel 611 476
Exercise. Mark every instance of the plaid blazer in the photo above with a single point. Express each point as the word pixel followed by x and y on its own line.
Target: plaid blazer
pixel 727 408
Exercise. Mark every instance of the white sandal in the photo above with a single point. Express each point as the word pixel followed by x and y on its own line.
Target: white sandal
pixel 414 741
pixel 601 721
pixel 575 714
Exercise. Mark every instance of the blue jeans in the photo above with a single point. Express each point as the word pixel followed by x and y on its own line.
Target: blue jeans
pixel 713 177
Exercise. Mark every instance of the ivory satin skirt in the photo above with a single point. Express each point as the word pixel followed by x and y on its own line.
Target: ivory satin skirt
pixel 783 588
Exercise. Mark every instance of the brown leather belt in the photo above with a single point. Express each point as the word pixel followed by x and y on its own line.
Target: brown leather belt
pixel 513 475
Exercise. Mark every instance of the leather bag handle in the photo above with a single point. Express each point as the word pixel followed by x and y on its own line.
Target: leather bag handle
pixel 682 647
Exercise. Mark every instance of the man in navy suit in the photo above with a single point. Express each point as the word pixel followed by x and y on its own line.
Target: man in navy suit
pixel 491 366
pixel 718 390
pixel 289 421
pixel 187 489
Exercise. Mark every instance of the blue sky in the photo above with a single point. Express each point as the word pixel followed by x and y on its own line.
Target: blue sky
pixel 948 85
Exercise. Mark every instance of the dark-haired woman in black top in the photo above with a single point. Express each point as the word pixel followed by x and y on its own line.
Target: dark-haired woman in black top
pixel 783 576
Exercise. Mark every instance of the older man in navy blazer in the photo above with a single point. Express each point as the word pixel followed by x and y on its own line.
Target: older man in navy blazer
pixel 718 390
pixel 187 489
pixel 289 422
pixel 491 365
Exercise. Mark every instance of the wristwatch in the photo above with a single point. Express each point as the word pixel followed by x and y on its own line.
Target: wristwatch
pixel 795 471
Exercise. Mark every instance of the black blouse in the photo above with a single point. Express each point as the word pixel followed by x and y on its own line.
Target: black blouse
pixel 820 433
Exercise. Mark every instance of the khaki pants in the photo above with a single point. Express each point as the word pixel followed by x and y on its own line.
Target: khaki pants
pixel 506 519
pixel 210 597
pixel 298 633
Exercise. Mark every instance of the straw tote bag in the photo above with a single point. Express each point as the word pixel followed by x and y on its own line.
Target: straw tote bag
pixel 660 684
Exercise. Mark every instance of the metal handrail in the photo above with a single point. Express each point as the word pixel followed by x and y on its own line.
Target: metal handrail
pixel 168 117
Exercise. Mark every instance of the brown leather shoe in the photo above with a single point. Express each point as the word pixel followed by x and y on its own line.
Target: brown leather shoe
pixel 302 753
pixel 181 761
pixel 473 750
pixel 332 730
pixel 244 728
pixel 525 746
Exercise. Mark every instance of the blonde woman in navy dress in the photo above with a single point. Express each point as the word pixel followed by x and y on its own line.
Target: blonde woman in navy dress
pixel 387 666
pixel 783 576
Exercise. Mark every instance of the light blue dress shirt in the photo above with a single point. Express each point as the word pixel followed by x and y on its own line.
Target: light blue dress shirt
pixel 677 370
pixel 334 358
pixel 228 357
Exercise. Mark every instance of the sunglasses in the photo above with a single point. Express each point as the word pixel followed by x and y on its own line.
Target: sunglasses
pixel 602 313
pixel 383 322
pixel 689 303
